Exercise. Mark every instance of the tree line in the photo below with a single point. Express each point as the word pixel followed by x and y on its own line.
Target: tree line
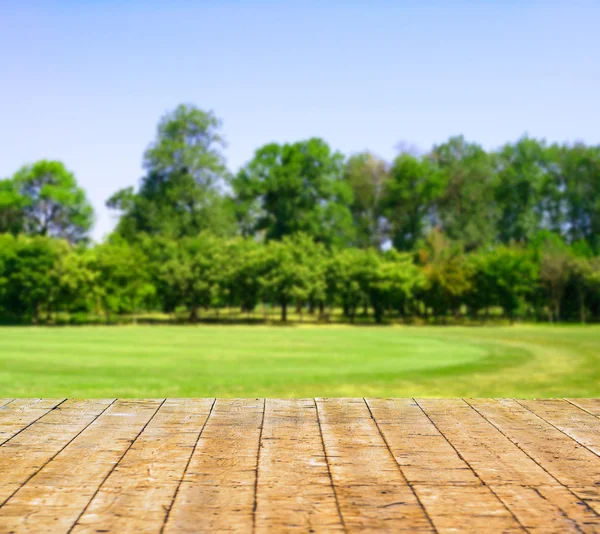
pixel 455 233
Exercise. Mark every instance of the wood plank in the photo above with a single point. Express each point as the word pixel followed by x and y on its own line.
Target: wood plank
pixel 576 423
pixel 54 498
pixel 373 494
pixel 419 448
pixel 548 509
pixel 20 413
pixel 137 495
pixel 591 406
pixel 563 458
pixel 536 499
pixel 217 493
pixel 449 489
pixel 29 451
pixel 4 402
pixel 294 490
pixel 492 456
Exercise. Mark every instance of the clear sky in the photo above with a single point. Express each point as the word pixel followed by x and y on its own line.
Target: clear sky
pixel 85 81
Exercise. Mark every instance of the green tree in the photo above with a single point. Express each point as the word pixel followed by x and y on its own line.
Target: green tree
pixel 446 272
pixel 50 202
pixel 520 192
pixel 367 177
pixel 392 283
pixel 77 284
pixel 246 259
pixel 413 191
pixel 11 208
pixel 505 277
pixel 287 189
pixel 294 272
pixel 194 273
pixel 466 210
pixel 124 281
pixel 28 275
pixel 345 280
pixel 578 178
pixel 183 191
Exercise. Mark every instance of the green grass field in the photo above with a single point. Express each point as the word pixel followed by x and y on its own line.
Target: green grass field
pixel 340 361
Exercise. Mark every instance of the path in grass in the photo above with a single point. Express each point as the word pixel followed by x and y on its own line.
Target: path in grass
pixel 249 361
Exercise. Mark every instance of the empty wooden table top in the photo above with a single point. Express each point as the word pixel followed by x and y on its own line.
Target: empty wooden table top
pixel 299 465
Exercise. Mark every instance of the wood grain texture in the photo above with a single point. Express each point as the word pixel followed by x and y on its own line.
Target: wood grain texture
pixel 137 495
pixel 54 498
pixel 536 499
pixel 294 490
pixel 371 499
pixel 576 423
pixel 29 451
pixel 562 457
pixel 446 484
pixel 299 465
pixel 17 415
pixel 217 493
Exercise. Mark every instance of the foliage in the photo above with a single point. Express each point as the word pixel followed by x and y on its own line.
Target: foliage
pixel 181 193
pixel 368 178
pixel 292 188
pixel 456 233
pixel 44 199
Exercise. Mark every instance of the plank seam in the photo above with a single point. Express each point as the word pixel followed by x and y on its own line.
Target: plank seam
pixel 557 428
pixel 57 453
pixel 187 465
pixel 32 422
pixel 471 467
pixel 589 508
pixel 581 408
pixel 335 495
pixel 399 467
pixel 7 403
pixel 562 512
pixel 255 502
pixel 112 469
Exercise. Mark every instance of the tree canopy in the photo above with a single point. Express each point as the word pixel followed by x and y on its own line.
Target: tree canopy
pixel 456 232
pixel 44 199
pixel 182 192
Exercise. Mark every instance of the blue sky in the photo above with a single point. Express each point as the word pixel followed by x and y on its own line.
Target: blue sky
pixel 86 81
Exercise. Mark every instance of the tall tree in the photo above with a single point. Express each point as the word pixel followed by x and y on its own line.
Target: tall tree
pixel 522 181
pixel 183 191
pixel 414 188
pixel 44 199
pixel 295 188
pixel 294 272
pixel 466 211
pixel 579 168
pixel 447 274
pixel 11 208
pixel 368 178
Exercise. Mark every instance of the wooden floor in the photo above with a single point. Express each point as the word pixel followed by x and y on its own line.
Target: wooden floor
pixel 324 465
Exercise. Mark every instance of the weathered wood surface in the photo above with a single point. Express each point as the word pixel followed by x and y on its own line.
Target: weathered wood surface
pixel 299 465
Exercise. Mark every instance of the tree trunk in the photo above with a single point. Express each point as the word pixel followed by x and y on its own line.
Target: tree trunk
pixel 581 304
pixel 193 314
pixel 378 311
pixel 284 311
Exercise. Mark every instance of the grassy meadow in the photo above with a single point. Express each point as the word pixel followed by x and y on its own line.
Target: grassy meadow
pixel 340 361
